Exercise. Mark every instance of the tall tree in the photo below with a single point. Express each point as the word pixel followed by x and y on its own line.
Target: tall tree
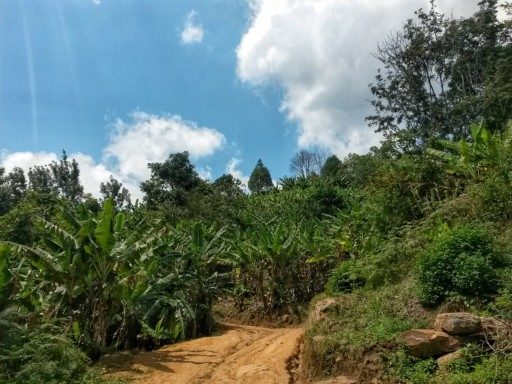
pixel 66 174
pixel 432 84
pixel 41 179
pixel 306 163
pixel 260 180
pixel 331 168
pixel 170 181
pixel 227 185
pixel 113 189
pixel 12 188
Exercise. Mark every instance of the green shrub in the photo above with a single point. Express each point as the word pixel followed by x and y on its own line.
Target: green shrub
pixel 494 196
pixel 407 369
pixel 345 278
pixel 357 325
pixel 41 355
pixel 460 262
pixel 494 369
pixel 502 304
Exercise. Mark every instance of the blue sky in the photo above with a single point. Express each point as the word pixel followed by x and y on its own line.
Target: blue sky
pixel 117 83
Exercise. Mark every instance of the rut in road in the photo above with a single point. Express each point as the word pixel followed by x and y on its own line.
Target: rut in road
pixel 242 354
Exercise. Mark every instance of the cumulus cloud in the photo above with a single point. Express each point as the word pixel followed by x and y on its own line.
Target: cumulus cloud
pixel 92 174
pixel 320 53
pixel 145 138
pixel 193 31
pixel 233 170
pixel 150 138
pixel 26 160
pixel 205 173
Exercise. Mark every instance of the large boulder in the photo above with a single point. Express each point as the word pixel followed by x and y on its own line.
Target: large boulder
pixel 458 323
pixel 428 343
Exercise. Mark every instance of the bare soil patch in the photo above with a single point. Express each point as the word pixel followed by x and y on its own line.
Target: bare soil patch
pixel 241 354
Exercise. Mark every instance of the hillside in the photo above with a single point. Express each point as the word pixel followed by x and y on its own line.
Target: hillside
pixel 392 266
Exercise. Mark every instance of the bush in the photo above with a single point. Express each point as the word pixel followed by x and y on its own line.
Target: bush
pixel 400 365
pixel 494 196
pixel 460 262
pixel 345 278
pixel 494 369
pixel 41 355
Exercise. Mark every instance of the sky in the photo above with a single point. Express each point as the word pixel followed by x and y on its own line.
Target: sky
pixel 121 83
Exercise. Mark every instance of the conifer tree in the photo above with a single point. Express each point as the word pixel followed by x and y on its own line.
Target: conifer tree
pixel 260 180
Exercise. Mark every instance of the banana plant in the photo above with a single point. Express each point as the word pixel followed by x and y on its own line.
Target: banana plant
pixel 78 266
pixel 204 263
pixel 5 275
pixel 486 150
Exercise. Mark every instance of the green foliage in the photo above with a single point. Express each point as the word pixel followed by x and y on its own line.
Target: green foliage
pixel 484 153
pixel 66 176
pixel 502 305
pixel 170 181
pixel 260 180
pixel 400 365
pixel 331 168
pixel 357 171
pixel 460 261
pixel 494 369
pixel 5 276
pixel 435 74
pixel 78 277
pixel 473 367
pixel 357 323
pixel 114 190
pixel 12 188
pixel 37 355
pixel 345 278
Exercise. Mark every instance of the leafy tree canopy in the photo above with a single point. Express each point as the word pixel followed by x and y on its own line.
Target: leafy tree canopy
pixel 331 167
pixel 439 75
pixel 170 181
pixel 114 189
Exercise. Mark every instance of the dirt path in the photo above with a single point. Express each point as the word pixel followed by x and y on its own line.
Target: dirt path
pixel 242 354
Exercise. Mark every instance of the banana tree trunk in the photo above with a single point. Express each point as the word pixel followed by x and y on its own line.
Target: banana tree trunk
pixel 99 323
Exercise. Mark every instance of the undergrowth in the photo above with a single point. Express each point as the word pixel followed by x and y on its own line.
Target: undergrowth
pixel 359 323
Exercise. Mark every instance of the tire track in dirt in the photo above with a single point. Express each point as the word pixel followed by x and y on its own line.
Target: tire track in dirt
pixel 242 354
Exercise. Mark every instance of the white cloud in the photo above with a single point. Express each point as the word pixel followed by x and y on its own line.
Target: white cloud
pixel 193 31
pixel 205 173
pixel 144 139
pixel 232 169
pixel 25 160
pixel 319 51
pixel 92 174
pixel 150 138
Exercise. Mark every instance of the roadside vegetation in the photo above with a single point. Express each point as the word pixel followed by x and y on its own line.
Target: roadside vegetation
pixel 419 225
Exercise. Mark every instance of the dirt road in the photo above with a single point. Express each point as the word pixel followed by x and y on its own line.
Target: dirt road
pixel 241 354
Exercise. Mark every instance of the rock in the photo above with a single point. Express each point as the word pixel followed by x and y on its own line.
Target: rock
pixel 428 343
pixel 444 361
pixel 321 308
pixel 458 323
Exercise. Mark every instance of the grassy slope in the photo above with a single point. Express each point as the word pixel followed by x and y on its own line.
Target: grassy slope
pixel 358 335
